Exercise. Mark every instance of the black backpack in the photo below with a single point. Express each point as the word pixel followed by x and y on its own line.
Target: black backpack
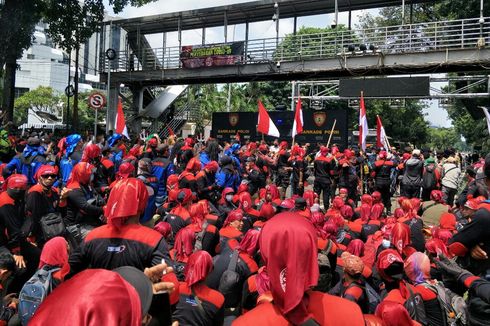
pixel 230 281
pixel 452 304
pixel 372 297
pixel 325 278
pixel 52 225
pixel 429 180
pixel 415 307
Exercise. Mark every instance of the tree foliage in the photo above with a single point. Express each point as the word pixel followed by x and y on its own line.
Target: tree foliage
pixel 443 138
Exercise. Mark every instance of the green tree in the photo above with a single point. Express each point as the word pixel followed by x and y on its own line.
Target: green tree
pixel 443 138
pixel 39 99
pixel 18 19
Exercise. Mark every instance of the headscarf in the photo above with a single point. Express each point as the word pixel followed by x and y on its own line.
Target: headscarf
pixel 310 196
pixel 318 220
pixel 376 211
pixel 293 266
pixel 353 265
pixel 234 215
pixel 376 197
pixel 324 150
pixel 330 230
pixel 442 234
pixel 386 259
pixel 226 191
pixel 91 297
pixel 91 152
pixel 367 199
pixel 437 196
pixel 197 213
pixel 71 142
pixel 212 166
pixel 243 187
pixel 436 247
pixel 250 242
pixel 164 228
pixel 125 170
pixel 356 247
pixel 408 208
pixel 263 281
pixel 267 211
pixel 198 267
pixel 417 267
pixel 365 212
pixel 80 175
pixel 128 198
pixel 337 203
pixel 16 181
pixel 272 189
pixel 416 202
pixel 398 213
pixel 114 139
pixel 184 244
pixel 46 169
pixel 184 196
pixel 393 314
pixel 447 221
pixel 347 212
pixel 55 253
pixel 400 236
pixel 245 201
pixel 194 165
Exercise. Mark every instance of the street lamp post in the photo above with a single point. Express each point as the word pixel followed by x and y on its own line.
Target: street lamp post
pixel 275 18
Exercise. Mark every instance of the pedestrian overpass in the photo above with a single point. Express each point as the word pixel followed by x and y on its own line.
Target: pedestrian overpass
pixel 432 47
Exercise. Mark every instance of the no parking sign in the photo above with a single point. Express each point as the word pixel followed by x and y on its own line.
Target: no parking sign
pixel 96 101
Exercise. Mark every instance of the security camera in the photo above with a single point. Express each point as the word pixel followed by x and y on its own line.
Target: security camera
pixel 278 64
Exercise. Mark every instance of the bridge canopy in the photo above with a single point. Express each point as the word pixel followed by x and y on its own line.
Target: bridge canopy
pixel 254 11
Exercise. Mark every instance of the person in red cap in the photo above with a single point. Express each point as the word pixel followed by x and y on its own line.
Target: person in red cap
pixel 206 182
pixel 324 167
pixel 382 171
pixel 292 269
pixel 42 199
pixel 187 179
pixel 12 218
pixel 198 304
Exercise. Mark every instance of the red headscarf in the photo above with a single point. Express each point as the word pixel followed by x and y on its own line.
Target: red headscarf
pixel 293 266
pixel 16 181
pixel 408 209
pixel 92 297
pixel 46 169
pixel 197 213
pixel 212 166
pixel 393 314
pixel 226 191
pixel 234 215
pixel 243 187
pixel 194 165
pixel 55 253
pixel 318 220
pixel 356 247
pixel 400 236
pixel 437 196
pixel 398 213
pixel 90 152
pixel 442 234
pixel 330 230
pixel 447 221
pixel 272 189
pixel 337 203
pixel 367 199
pixel 184 244
pixel 437 247
pixel 310 197
pixel 250 242
pixel 347 212
pixel 128 198
pixel 80 175
pixel 164 228
pixel 386 258
pixel 172 182
pixel 267 211
pixel 376 211
pixel 376 197
pixel 245 201
pixel 198 267
pixel 125 170
pixel 365 212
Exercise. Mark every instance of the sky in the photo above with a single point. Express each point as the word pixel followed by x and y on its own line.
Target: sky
pixel 435 115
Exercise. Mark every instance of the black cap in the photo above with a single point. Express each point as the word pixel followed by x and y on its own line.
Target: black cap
pixel 141 284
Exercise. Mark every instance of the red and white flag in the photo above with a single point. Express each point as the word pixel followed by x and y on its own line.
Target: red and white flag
pixel 363 125
pixel 298 119
pixel 120 121
pixel 382 139
pixel 265 124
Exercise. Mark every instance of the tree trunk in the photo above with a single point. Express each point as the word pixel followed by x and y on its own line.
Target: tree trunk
pixel 9 90
pixel 75 123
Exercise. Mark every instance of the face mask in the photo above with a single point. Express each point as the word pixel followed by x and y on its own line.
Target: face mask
pixel 16 194
pixel 386 243
pixel 229 197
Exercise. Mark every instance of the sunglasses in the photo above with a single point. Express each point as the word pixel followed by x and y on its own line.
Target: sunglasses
pixel 52 176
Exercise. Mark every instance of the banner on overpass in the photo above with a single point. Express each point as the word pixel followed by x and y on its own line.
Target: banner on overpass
pixel 212 55
pixel 316 129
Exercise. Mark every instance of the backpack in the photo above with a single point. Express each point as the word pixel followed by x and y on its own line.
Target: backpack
pixel 429 179
pixel 34 292
pixel 453 304
pixel 325 278
pixel 52 225
pixel 372 297
pixel 415 307
pixel 200 236
pixel 229 281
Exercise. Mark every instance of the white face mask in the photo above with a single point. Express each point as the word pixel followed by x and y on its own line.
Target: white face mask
pixel 386 243
pixel 229 197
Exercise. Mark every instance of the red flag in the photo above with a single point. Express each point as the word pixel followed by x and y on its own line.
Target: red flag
pixel 363 125
pixel 120 121
pixel 265 125
pixel 298 119
pixel 170 131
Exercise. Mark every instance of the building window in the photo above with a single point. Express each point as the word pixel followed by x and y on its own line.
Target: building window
pixel 30 56
pixel 19 91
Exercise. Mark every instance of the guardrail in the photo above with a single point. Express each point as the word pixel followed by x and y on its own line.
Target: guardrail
pixel 412 38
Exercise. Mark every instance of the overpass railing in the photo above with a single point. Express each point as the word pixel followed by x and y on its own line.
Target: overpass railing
pixel 411 38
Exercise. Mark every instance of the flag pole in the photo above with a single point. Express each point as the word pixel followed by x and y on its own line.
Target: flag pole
pixel 360 145
pixel 331 133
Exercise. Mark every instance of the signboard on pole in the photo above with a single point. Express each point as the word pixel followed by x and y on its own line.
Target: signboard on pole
pixel 96 101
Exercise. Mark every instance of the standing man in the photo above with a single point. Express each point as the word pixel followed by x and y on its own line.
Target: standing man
pixel 450 179
pixel 412 177
pixel 324 168
pixel 382 170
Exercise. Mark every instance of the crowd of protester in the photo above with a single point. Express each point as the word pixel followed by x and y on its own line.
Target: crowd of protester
pixel 181 232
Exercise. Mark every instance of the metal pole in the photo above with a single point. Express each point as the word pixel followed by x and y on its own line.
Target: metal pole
pixel 293 85
pixel 95 123
pixel 277 24
pixel 225 23
pixel 331 133
pixel 403 12
pixel 482 20
pixel 68 97
pixel 336 13
pixel 109 100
